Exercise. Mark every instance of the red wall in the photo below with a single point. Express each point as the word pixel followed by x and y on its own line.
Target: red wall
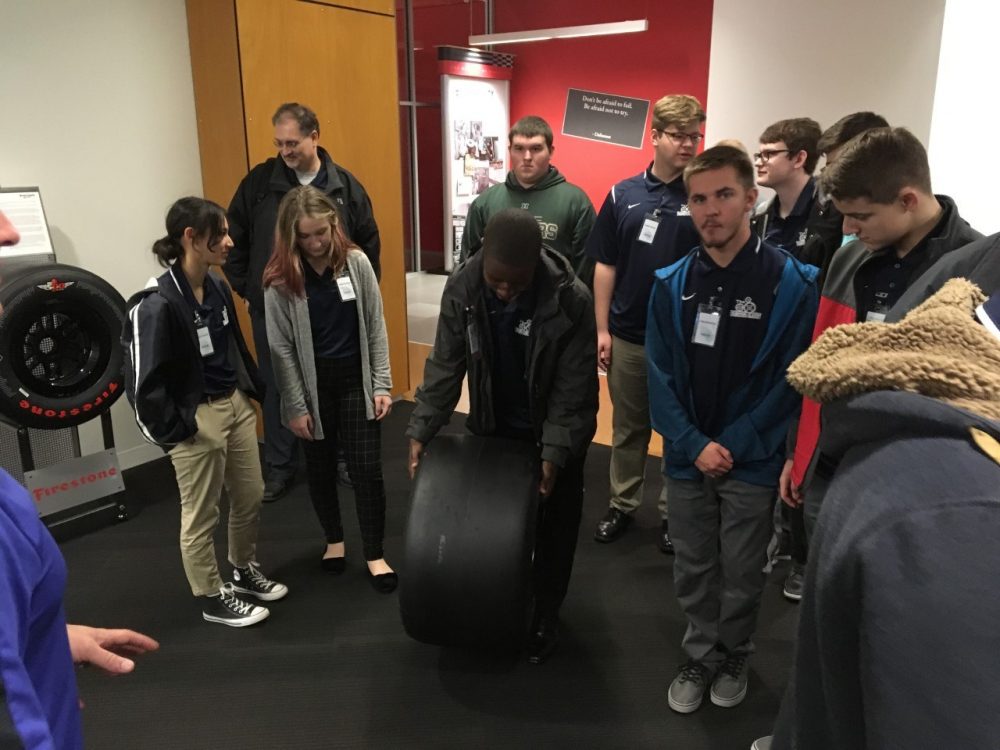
pixel 670 58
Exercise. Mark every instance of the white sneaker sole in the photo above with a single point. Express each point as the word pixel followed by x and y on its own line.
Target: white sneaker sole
pixel 684 708
pixel 279 592
pixel 728 702
pixel 242 622
pixel 792 597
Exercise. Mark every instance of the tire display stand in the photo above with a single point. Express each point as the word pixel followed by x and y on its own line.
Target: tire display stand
pixel 61 365
pixel 82 517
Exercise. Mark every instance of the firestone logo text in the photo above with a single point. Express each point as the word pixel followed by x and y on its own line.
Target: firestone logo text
pixel 74 411
pixel 55 489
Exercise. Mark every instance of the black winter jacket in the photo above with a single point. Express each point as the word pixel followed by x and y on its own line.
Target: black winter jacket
pixel 562 360
pixel 253 214
pixel 164 375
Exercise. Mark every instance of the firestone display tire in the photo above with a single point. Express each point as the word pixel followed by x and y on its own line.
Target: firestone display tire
pixel 469 543
pixel 61 360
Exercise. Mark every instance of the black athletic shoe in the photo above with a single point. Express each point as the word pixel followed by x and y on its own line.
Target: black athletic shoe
pixel 663 541
pixel 228 609
pixel 275 486
pixel 250 580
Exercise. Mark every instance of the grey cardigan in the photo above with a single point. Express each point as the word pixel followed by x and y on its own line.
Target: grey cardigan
pixel 289 335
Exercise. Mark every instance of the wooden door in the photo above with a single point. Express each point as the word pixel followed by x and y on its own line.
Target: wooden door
pixel 341 62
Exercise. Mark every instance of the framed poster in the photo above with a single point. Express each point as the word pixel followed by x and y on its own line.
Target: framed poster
pixel 475 108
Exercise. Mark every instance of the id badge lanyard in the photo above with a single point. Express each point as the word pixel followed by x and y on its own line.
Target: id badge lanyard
pixel 651 223
pixel 204 335
pixel 706 323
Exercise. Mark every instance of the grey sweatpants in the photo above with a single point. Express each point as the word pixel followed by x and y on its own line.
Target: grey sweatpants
pixel 720 529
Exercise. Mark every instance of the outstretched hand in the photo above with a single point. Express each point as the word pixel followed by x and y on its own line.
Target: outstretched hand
pixel 104 648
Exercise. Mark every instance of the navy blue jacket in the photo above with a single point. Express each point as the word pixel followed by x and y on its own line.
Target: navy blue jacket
pixel 758 413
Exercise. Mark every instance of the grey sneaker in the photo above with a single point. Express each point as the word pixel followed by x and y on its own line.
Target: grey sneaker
pixel 795 583
pixel 228 609
pixel 250 580
pixel 688 687
pixel 764 743
pixel 729 687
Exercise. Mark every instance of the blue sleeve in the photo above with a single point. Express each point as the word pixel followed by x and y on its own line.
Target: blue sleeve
pixel 682 440
pixel 763 431
pixel 20 568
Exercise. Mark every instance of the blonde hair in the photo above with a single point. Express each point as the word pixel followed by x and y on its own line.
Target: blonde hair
pixel 284 269
pixel 677 109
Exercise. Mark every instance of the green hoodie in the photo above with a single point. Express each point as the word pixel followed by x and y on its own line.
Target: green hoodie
pixel 563 211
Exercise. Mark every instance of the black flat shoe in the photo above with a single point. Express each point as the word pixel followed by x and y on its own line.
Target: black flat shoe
pixel 612 525
pixel 384 583
pixel 333 565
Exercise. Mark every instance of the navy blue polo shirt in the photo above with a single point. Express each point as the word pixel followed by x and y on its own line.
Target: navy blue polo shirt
pixel 220 373
pixel 880 282
pixel 744 292
pixel 615 241
pixel 510 333
pixel 334 323
pixel 790 233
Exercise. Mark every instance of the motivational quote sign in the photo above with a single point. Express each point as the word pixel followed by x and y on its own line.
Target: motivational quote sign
pixel 607 118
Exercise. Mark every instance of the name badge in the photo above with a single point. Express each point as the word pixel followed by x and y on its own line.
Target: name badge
pixel 472 333
pixel 649 227
pixel 706 325
pixel 346 288
pixel 877 314
pixel 205 341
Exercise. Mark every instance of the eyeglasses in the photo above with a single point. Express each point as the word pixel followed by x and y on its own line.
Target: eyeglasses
pixel 766 155
pixel 286 144
pixel 680 138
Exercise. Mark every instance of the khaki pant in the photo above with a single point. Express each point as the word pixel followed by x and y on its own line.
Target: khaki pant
pixel 630 426
pixel 223 452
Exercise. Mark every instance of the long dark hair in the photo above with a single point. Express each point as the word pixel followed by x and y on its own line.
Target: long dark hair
pixel 206 218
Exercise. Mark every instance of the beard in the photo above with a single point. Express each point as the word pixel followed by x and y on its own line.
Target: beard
pixel 721 237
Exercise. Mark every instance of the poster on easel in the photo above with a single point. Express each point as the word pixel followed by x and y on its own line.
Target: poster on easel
pixel 23 208
pixel 475 107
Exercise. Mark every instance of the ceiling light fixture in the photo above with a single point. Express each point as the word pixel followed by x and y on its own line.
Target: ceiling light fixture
pixel 563 32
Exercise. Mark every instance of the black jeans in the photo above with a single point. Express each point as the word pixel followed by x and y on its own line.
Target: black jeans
pixel 342 410
pixel 555 546
pixel 279 442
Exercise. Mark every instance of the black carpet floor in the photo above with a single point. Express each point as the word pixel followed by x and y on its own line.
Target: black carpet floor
pixel 333 668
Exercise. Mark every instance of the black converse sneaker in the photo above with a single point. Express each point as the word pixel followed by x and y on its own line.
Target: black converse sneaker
pixel 250 580
pixel 228 609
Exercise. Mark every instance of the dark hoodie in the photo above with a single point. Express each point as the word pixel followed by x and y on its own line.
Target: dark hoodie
pixel 898 644
pixel 562 350
pixel 563 212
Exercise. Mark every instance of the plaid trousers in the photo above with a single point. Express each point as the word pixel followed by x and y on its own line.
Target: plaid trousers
pixel 345 423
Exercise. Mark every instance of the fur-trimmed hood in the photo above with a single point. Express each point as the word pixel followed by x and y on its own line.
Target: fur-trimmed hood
pixel 938 350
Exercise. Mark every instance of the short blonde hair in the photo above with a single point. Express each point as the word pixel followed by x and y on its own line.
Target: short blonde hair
pixel 677 109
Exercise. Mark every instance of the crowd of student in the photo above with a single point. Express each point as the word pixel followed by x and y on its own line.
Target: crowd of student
pixel 691 295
